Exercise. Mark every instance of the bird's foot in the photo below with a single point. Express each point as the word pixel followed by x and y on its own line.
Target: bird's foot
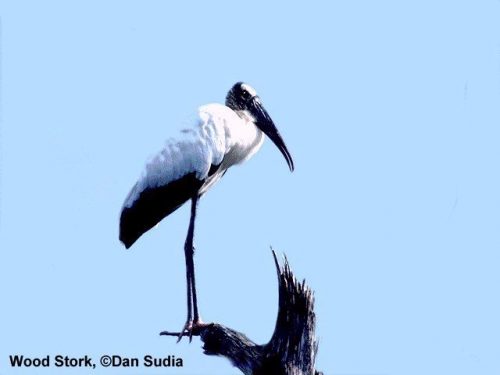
pixel 190 329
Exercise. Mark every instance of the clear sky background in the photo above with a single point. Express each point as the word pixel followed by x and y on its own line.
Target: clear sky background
pixel 391 111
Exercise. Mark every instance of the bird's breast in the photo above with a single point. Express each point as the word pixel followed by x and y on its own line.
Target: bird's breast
pixel 236 131
pixel 246 140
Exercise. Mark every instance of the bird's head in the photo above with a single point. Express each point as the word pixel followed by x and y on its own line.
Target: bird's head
pixel 243 97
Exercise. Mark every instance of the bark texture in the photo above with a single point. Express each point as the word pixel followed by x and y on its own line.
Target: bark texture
pixel 293 346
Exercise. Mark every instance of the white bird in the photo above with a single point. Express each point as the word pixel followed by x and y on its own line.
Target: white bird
pixel 222 136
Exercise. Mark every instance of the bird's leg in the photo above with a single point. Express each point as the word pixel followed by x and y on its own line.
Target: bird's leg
pixel 196 315
pixel 189 249
pixel 187 328
pixel 192 325
pixel 188 253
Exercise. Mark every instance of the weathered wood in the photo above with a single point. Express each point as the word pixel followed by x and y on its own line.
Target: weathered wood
pixel 293 346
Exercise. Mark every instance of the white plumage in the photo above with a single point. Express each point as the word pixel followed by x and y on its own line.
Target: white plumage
pixel 219 137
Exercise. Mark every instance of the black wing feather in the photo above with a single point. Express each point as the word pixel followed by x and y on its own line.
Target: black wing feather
pixel 153 205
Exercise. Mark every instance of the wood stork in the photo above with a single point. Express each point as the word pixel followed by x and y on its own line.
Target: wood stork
pixel 221 136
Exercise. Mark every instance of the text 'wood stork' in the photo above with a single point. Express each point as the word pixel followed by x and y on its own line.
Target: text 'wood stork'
pixel 222 136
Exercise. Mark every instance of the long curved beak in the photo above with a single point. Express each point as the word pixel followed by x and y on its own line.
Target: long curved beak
pixel 266 124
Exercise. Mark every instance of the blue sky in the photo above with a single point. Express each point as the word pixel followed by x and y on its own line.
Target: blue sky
pixel 391 112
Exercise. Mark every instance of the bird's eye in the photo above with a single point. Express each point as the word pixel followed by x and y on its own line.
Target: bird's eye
pixel 245 94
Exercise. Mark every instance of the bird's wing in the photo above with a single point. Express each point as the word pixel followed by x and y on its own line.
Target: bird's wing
pixel 153 204
pixel 172 177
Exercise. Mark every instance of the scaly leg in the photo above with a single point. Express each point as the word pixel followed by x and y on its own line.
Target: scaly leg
pixel 192 301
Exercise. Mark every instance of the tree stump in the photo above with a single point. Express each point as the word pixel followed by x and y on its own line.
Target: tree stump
pixel 293 346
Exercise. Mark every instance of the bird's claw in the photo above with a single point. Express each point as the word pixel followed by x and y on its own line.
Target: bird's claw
pixel 190 329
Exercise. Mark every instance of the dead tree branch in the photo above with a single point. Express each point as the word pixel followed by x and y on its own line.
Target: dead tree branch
pixel 293 346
